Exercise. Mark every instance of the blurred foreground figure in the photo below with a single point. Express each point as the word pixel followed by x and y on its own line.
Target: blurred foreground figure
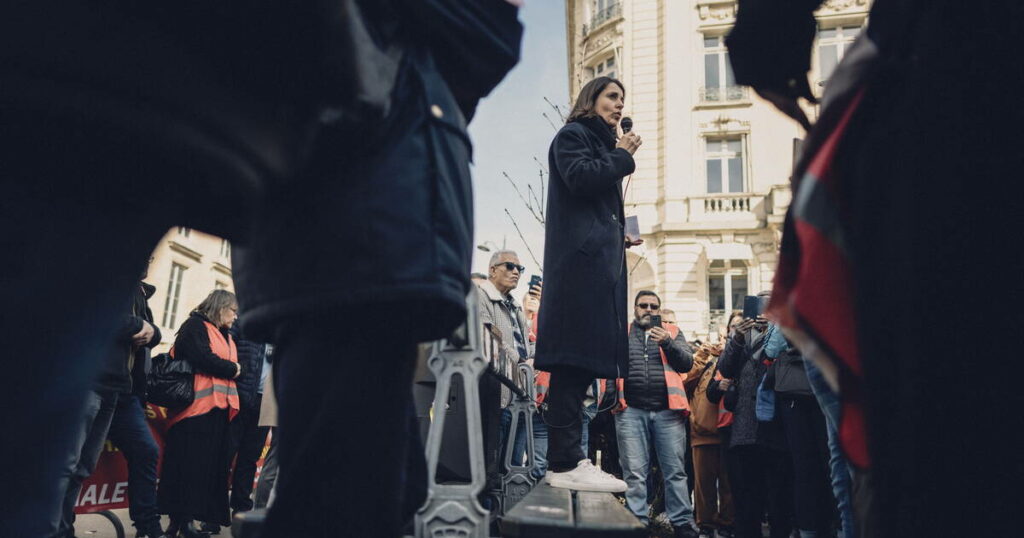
pixel 901 187
pixel 371 256
pixel 121 119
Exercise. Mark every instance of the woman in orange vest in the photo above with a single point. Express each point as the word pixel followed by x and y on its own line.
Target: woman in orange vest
pixel 194 476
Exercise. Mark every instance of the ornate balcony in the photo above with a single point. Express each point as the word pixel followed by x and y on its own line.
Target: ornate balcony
pixel 602 16
pixel 723 95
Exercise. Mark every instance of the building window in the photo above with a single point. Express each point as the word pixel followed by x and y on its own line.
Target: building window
pixel 604 68
pixel 832 45
pixel 724 165
pixel 225 248
pixel 727 286
pixel 183 231
pixel 719 82
pixel 173 295
pixel 604 10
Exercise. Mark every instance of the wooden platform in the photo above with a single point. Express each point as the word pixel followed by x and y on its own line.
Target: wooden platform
pixel 548 512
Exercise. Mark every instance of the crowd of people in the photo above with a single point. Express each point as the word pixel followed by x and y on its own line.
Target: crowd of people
pixel 728 435
pixel 328 141
pixel 221 434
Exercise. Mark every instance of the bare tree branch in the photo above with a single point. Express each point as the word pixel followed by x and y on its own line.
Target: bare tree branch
pixel 533 195
pixel 526 202
pixel 553 126
pixel 557 109
pixel 525 242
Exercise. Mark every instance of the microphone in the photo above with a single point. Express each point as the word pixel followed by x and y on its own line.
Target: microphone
pixel 626 124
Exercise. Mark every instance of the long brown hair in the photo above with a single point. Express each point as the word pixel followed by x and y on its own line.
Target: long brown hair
pixel 585 101
pixel 214 303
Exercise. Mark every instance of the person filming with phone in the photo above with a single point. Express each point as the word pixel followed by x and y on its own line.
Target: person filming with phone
pixel 653 405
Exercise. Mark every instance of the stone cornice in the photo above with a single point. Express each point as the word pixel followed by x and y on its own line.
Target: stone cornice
pixel 185 251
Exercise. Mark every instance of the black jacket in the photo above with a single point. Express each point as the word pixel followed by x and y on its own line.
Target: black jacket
pixel 124 368
pixel 250 356
pixel 193 344
pixel 583 310
pixel 385 214
pixel 645 379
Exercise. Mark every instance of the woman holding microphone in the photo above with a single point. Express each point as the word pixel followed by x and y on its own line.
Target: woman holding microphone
pixel 582 320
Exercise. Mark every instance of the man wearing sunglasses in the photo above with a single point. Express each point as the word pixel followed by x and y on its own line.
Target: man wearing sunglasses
pixel 653 406
pixel 502 313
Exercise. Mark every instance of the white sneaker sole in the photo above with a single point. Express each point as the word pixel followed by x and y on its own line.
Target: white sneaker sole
pixel 560 482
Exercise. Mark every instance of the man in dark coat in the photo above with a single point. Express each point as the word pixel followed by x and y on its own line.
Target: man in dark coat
pixel 129 429
pixel 247 438
pixel 582 326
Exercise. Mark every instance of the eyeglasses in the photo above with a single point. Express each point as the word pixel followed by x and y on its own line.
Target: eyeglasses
pixel 511 266
pixel 648 306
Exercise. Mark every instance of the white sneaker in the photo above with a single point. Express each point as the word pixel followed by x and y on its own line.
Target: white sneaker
pixel 585 477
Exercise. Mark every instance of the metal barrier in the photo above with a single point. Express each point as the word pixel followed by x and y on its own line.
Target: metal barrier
pixel 453 509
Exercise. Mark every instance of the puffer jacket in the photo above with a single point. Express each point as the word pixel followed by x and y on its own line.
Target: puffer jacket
pixel 645 377
pixel 250 356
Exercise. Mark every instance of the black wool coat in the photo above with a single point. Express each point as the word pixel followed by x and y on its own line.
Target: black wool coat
pixel 583 316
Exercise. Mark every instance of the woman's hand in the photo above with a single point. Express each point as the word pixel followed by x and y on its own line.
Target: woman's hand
pixel 629 142
pixel 238 371
pixel 631 243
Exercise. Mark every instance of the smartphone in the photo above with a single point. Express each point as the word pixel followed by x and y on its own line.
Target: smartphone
pixel 751 307
pixel 534 280
pixel 632 228
pixel 656 320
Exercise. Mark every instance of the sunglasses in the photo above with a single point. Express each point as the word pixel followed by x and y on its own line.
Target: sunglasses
pixel 511 266
pixel 648 306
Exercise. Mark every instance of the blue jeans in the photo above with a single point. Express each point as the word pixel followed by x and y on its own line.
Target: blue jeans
pixel 634 429
pixel 130 433
pixel 80 461
pixel 842 481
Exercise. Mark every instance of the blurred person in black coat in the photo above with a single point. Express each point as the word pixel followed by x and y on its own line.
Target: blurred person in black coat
pixel 370 256
pixel 922 176
pixel 204 106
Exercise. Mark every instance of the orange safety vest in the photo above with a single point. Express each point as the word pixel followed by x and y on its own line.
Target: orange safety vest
pixel 673 382
pixel 212 392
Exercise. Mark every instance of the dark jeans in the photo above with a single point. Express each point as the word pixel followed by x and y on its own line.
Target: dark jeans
pixel 79 463
pixel 761 478
pixel 130 433
pixel 345 414
pixel 564 416
pixel 247 440
pixel 804 424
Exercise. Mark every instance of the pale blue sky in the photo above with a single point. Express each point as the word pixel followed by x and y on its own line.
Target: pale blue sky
pixel 509 130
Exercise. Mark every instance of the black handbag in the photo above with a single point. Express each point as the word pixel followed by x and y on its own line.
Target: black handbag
pixel 170 382
pixel 790 375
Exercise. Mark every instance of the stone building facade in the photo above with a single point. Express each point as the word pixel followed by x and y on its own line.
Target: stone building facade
pixel 187 265
pixel 712 181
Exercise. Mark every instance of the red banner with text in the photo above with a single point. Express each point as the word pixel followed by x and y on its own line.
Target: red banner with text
pixel 107 488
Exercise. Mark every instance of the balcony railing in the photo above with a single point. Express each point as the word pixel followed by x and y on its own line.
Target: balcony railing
pixel 602 16
pixel 725 94
pixel 727 204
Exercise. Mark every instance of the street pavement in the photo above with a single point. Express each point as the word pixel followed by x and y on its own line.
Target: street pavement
pixel 96 526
